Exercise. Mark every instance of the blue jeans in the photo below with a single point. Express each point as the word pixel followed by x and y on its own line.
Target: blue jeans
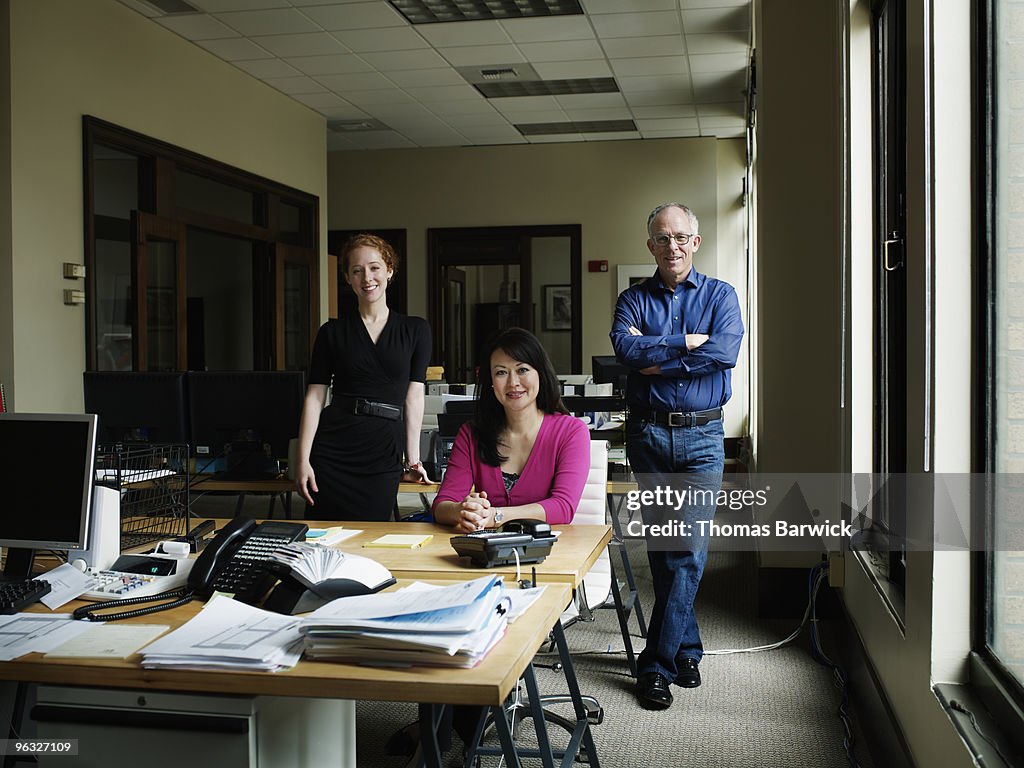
pixel 672 457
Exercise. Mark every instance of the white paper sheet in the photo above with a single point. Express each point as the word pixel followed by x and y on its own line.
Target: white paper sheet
pixel 108 641
pixel 66 583
pixel 22 633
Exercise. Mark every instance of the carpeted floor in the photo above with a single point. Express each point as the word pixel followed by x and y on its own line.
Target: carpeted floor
pixel 772 709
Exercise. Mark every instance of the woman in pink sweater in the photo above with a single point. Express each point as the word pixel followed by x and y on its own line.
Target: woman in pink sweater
pixel 523 455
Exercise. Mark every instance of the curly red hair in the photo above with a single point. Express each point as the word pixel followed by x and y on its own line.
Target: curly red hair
pixel 379 244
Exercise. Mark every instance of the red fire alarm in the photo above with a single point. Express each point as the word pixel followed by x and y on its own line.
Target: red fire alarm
pixel 597 266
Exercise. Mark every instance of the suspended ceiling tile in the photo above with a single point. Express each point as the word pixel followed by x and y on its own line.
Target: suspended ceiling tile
pixel 730 123
pixel 652 24
pixel 558 138
pixel 725 109
pixel 309 3
pixel 464 33
pixel 612 136
pixel 659 65
pixel 587 115
pixel 324 101
pixel 718 62
pixel 676 96
pixel 144 8
pixel 634 84
pixel 336 64
pixel 717 20
pixel 312 44
pixel 568 70
pixel 437 93
pixel 379 96
pixel 294 85
pixel 493 135
pixel 222 6
pixel 665 111
pixel 639 47
pixel 339 143
pixel 540 116
pixel 382 140
pixel 393 61
pixel 282 21
pixel 197 27
pixel 379 40
pixel 548 29
pixel 397 115
pixel 729 133
pixel 568 50
pixel 615 6
pixel 681 134
pixel 354 81
pixel 669 124
pixel 591 101
pixel 267 68
pixel 716 43
pixel 345 112
pixel 466 108
pixel 425 78
pixel 356 16
pixel 687 4
pixel 481 55
pixel 474 120
pixel 235 49
pixel 515 105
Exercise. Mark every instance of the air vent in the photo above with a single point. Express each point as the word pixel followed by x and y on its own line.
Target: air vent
pixel 356 126
pixel 172 7
pixel 434 11
pixel 504 73
pixel 500 90
pixel 583 126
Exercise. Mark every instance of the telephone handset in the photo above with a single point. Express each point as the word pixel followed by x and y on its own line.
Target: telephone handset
pixel 514 543
pixel 235 562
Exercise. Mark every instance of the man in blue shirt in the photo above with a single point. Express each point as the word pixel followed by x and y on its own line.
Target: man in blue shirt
pixel 679 332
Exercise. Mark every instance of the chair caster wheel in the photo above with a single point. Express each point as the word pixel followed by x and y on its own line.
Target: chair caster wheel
pixel 595 717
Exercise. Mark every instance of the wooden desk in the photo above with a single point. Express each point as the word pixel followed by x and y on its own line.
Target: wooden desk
pixel 571 558
pixel 278 488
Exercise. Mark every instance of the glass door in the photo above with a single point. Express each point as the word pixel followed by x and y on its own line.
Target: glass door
pixel 158 264
pixel 296 306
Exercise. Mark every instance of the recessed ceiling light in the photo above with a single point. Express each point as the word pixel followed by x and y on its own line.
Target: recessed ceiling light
pixel 501 89
pixel 356 126
pixel 582 126
pixel 172 7
pixel 434 11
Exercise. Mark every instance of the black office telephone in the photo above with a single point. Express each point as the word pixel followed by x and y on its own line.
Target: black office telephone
pixel 517 542
pixel 236 562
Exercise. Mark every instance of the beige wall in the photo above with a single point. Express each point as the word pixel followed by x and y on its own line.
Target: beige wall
pixel 70 58
pixel 607 187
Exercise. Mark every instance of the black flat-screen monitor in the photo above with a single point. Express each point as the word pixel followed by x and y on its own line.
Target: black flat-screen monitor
pixel 137 407
pixel 49 464
pixel 234 413
pixel 605 369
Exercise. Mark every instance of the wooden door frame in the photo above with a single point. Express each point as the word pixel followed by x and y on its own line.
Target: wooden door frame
pixel 147 226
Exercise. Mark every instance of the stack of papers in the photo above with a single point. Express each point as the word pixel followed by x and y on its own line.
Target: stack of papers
pixel 454 626
pixel 228 634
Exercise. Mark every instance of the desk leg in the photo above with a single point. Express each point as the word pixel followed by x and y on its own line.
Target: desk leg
pixel 431 714
pixel 508 745
pixel 582 732
pixel 17 716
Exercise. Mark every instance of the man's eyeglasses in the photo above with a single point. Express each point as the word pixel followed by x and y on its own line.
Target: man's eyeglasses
pixel 681 238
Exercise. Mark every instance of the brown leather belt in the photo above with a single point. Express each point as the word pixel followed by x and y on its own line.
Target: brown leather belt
pixel 675 418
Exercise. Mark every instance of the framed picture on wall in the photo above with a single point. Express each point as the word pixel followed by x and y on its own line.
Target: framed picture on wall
pixel 631 274
pixel 557 307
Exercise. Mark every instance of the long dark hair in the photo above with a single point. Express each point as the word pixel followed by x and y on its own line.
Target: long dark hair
pixel 489 422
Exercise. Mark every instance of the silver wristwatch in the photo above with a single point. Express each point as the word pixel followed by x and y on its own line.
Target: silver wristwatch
pixel 498 517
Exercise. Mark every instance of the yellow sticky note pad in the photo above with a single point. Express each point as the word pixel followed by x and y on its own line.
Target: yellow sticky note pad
pixel 401 540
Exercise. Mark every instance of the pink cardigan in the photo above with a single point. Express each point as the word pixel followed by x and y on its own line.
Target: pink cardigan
pixel 553 477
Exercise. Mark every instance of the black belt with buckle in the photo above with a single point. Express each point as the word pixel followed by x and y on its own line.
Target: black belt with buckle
pixel 363 407
pixel 675 418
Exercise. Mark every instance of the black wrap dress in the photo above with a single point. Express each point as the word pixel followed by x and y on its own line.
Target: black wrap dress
pixel 357 458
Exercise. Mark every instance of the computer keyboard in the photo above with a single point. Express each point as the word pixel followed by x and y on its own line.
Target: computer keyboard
pixel 15 595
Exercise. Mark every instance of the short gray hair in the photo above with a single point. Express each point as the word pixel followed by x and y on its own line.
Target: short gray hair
pixel 694 224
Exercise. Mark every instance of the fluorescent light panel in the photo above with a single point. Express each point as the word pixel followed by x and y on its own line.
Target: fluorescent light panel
pixel 582 126
pixel 434 11
pixel 500 90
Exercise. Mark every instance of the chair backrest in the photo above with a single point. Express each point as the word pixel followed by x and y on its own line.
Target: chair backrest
pixel 592 511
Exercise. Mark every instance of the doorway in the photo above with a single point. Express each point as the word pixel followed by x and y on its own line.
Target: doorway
pixel 527 276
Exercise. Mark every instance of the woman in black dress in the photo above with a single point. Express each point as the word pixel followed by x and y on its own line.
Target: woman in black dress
pixel 375 362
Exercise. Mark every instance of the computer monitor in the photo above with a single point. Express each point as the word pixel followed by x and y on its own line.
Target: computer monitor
pixel 245 418
pixel 607 370
pixel 137 407
pixel 48 462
